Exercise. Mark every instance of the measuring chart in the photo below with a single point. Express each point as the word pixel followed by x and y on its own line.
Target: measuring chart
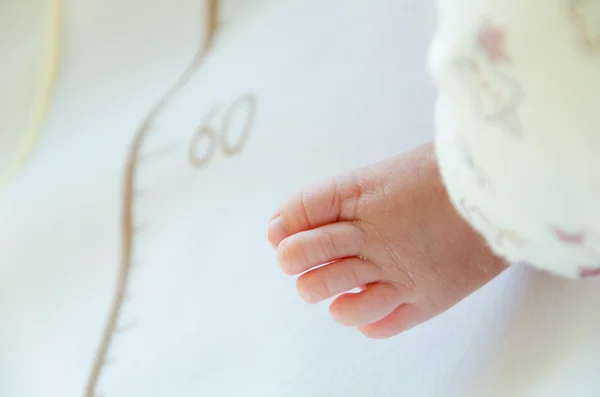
pixel 207 140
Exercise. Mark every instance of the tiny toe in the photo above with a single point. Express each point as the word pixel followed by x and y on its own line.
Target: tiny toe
pixel 366 307
pixel 336 278
pixel 326 202
pixel 305 250
pixel 402 319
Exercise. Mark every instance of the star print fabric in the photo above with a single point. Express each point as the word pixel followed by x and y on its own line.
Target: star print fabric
pixel 518 126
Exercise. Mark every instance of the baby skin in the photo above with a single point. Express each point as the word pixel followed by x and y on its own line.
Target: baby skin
pixel 386 241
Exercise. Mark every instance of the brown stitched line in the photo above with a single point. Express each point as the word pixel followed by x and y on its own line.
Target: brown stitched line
pixel 127 227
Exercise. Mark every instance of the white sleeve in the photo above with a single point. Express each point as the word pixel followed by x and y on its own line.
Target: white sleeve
pixel 518 126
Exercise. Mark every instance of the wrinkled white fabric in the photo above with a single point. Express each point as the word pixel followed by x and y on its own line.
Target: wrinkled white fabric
pixel 518 126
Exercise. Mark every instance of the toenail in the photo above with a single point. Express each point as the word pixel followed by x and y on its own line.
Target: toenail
pixel 277 231
pixel 282 254
pixel 308 295
pixel 288 267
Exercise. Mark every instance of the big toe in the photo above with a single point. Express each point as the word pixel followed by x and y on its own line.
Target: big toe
pixel 329 201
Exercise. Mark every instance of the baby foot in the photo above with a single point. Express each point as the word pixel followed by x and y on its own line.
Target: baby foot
pixel 388 230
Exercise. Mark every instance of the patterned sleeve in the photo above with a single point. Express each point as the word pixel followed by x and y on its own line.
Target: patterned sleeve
pixel 518 126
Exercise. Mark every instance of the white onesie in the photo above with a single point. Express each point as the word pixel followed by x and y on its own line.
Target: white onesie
pixel 518 126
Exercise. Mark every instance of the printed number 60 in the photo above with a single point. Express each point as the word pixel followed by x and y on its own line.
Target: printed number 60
pixel 220 136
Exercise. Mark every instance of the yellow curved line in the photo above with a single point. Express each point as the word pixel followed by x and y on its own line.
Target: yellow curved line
pixel 42 98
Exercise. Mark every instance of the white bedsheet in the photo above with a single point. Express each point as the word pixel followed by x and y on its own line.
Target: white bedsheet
pixel 338 84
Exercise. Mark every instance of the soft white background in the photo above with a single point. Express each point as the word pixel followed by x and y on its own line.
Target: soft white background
pixel 339 84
